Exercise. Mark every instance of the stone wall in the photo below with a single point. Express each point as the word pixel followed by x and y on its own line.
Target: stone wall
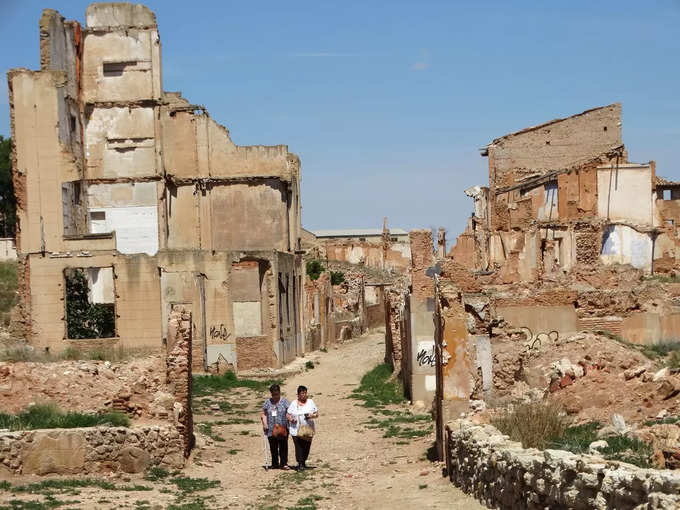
pixel 502 474
pixel 91 450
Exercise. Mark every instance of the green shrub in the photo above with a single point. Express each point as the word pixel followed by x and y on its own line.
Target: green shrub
pixel 314 269
pixel 49 416
pixel 337 277
pixel 534 424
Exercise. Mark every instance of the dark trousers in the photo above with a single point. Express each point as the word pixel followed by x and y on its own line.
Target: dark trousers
pixel 302 447
pixel 279 448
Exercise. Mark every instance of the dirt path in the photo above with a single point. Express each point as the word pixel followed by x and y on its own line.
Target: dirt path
pixel 353 465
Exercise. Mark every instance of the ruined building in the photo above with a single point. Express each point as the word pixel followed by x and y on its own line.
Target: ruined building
pixel 563 193
pixel 562 245
pixel 132 200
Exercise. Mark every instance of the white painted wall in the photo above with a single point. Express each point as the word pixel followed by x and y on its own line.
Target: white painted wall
pixel 625 245
pixel 100 284
pixel 625 193
pixel 8 250
pixel 128 209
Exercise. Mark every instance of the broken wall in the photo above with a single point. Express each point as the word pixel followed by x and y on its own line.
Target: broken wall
pixel 422 343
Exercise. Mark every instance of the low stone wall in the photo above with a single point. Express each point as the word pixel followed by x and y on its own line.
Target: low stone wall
pixel 91 450
pixel 502 474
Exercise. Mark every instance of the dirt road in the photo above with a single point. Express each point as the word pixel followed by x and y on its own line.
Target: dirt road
pixel 353 466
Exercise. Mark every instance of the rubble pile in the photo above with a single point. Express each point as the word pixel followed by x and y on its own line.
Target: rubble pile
pixel 135 387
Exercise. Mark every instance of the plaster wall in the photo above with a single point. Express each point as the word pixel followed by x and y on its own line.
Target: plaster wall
pixel 138 317
pixel 541 319
pixel 651 328
pixel 625 193
pixel 235 227
pixel 34 107
pixel 120 142
pixel 625 245
pixel 135 75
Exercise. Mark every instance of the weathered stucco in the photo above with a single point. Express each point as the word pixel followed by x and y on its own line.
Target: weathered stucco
pixel 142 185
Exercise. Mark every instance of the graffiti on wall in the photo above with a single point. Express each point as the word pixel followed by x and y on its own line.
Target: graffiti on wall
pixel 219 332
pixel 536 341
pixel 426 357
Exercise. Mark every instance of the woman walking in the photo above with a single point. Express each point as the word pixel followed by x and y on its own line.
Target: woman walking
pixel 301 414
pixel 275 426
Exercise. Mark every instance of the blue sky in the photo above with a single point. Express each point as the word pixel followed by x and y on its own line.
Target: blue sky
pixel 387 102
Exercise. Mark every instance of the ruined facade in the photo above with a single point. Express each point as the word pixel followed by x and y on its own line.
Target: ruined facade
pixel 563 193
pixel 143 195
pixel 562 244
pixel 386 249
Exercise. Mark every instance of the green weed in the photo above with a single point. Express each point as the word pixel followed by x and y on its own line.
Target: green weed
pixel 376 390
pixel 49 416
pixel 156 473
pixel 206 428
pixel 306 503
pixel 208 384
pixel 577 438
pixel 70 485
pixel 670 420
pixel 628 449
pixel 187 485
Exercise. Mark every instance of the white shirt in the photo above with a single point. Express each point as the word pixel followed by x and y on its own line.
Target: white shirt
pixel 298 411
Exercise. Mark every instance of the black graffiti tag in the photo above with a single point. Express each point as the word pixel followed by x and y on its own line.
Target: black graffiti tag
pixel 219 332
pixel 426 357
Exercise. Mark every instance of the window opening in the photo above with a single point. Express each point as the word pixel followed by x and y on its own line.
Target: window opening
pixel 112 69
pixel 90 306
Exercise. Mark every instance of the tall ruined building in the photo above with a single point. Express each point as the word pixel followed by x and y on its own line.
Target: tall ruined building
pixel 132 199
pixel 563 193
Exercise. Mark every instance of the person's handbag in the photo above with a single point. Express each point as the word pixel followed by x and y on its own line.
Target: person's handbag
pixel 306 432
pixel 279 431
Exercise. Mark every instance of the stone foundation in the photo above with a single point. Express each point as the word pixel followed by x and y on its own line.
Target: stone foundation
pixel 91 450
pixel 502 474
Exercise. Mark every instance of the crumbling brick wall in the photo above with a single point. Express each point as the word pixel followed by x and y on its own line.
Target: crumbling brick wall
pixel 422 257
pixel 555 144
pixel 253 352
pixel 178 373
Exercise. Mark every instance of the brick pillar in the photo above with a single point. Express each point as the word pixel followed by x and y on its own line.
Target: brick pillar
pixel 178 373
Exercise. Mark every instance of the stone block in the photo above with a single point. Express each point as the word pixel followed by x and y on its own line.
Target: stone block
pixel 55 452
pixel 133 459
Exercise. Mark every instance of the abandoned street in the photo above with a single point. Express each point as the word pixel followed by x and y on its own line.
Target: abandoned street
pixel 351 464
pixel 482 297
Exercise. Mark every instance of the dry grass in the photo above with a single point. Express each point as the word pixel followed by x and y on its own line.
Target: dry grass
pixel 535 425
